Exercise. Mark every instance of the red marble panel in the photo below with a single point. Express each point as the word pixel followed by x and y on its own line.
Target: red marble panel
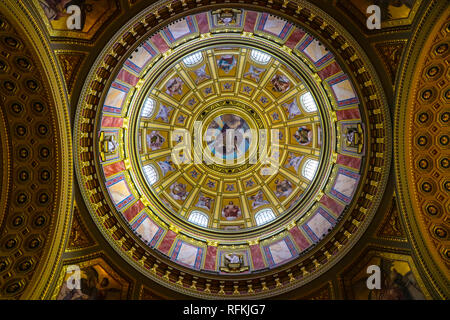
pixel 210 259
pixel 332 204
pixel 202 22
pixel 329 70
pixel 295 38
pixel 257 258
pixel 349 161
pixel 348 114
pixel 112 122
pixel 132 211
pixel 299 238
pixel 127 77
pixel 250 20
pixel 160 43
pixel 167 242
pixel 114 168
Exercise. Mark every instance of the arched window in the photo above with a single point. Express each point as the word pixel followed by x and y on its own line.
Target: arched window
pixel 260 57
pixel 151 174
pixel 193 59
pixel 264 216
pixel 310 168
pixel 198 218
pixel 308 102
pixel 149 107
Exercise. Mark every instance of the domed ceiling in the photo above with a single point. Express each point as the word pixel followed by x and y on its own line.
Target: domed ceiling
pixel 263 169
pixel 223 150
pixel 229 142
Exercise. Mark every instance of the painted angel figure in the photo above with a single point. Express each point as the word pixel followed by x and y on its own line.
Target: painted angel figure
pixel 201 74
pixel 226 63
pixel 254 73
pixel 164 113
pixel 258 200
pixel 303 135
pixel 231 211
pixel 155 140
pixel 280 83
pixel 174 86
pixel 292 109
pixel 166 166
pixel 178 191
pixel 294 161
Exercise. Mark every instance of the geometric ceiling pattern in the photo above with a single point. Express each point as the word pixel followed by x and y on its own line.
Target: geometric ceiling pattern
pixel 423 153
pixel 274 192
pixel 239 150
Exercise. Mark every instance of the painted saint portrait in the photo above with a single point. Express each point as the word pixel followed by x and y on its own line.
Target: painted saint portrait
pixel 293 161
pixel 303 135
pixel 155 140
pixel 55 9
pixel 292 109
pixel 231 211
pixel 280 83
pixel 397 281
pixel 178 191
pixel 228 136
pixel 254 73
pixel 283 188
pixel 226 63
pixel 258 200
pixel 174 86
pixel 204 202
pixel 93 14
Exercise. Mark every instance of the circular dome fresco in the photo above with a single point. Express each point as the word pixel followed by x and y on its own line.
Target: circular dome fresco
pixel 228 139
pixel 228 151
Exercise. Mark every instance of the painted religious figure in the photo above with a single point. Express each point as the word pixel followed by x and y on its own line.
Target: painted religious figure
pixel 280 83
pixel 292 109
pixel 178 191
pixel 226 62
pixel 174 86
pixel 283 188
pixel 155 140
pixel 204 202
pixel 55 9
pixel 258 199
pixel 228 145
pixel 232 258
pixel 93 286
pixel 231 211
pixel 397 281
pixel 254 73
pixel 164 113
pixel 201 74
pixel 303 135
pixel 166 166
pixel 233 262
pixel 294 161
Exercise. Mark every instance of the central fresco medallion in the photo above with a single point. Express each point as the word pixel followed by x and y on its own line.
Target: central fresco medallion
pixel 229 137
